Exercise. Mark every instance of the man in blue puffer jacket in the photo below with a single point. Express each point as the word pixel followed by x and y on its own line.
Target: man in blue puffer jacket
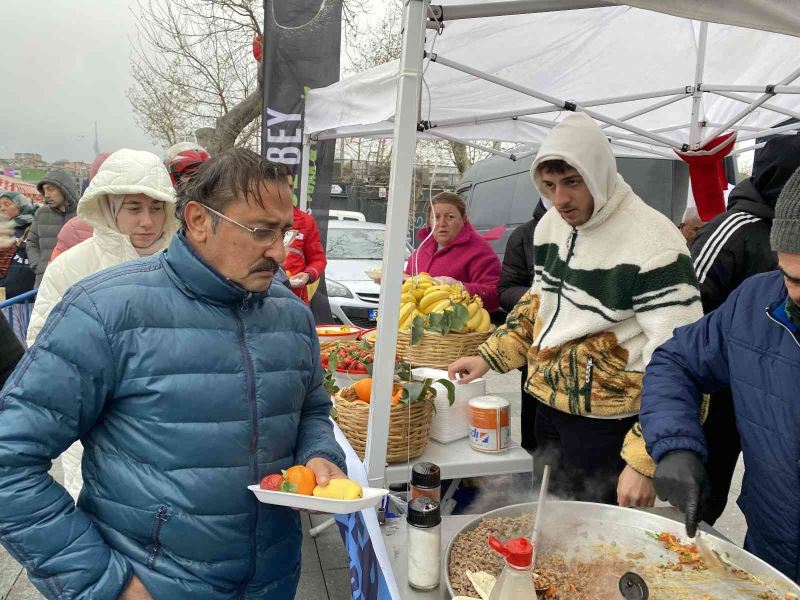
pixel 752 344
pixel 187 377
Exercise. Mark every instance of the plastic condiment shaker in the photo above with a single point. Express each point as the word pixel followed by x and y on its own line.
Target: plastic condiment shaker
pixel 515 582
pixel 426 481
pixel 424 543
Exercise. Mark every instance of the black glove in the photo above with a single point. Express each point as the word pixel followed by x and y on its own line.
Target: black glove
pixel 681 480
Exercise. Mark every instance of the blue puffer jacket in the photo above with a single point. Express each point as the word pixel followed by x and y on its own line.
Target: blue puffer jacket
pixel 749 344
pixel 184 389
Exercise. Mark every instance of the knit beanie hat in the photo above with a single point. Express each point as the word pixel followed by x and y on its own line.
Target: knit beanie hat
pixel 785 236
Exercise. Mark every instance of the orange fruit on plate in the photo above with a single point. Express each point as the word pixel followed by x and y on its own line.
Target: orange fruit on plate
pixel 363 388
pixel 303 478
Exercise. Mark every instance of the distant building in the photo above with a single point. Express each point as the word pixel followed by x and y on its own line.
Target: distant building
pixel 29 160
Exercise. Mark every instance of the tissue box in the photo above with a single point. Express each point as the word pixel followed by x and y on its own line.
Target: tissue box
pixel 450 423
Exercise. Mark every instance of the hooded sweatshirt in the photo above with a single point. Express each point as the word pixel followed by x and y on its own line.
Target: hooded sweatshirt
pixel 605 294
pixel 124 172
pixel 48 222
pixel 735 245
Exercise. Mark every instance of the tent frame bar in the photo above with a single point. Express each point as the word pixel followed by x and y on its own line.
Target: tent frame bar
pixel 560 104
pixel 649 109
pixel 765 106
pixel 695 133
pixel 765 97
pixel 456 12
pixel 452 138
pixel 400 192
pixel 790 128
pixel 610 135
pixel 770 90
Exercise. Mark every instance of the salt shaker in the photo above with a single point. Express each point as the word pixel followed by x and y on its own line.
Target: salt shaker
pixel 426 481
pixel 424 543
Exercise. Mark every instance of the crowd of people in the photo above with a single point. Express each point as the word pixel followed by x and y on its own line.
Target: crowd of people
pixel 169 371
pixel 630 393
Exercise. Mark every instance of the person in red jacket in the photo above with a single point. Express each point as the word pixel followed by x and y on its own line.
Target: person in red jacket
pixel 452 251
pixel 305 257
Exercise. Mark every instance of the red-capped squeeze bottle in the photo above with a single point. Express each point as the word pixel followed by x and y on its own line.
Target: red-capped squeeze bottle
pixel 515 582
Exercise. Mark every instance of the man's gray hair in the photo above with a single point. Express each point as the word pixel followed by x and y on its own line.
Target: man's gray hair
pixel 235 174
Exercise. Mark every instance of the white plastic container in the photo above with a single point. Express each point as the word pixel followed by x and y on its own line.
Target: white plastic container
pixel 450 423
pixel 490 423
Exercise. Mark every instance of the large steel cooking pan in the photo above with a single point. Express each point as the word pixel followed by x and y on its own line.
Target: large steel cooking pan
pixel 579 529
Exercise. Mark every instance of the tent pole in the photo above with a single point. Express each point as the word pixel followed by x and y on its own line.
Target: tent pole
pixel 790 128
pixel 494 116
pixel 559 104
pixel 526 154
pixel 649 109
pixel 510 7
pixel 451 138
pixel 676 94
pixel 631 97
pixel 672 128
pixel 612 134
pixel 400 190
pixel 736 127
pixel 753 105
pixel 765 106
pixel 335 135
pixel 697 96
pixel 644 150
pixel 304 173
pixel 748 149
pixel 780 88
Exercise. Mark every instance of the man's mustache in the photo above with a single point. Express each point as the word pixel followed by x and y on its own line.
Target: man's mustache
pixel 266 264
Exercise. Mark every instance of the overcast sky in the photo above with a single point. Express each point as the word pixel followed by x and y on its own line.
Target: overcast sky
pixel 65 65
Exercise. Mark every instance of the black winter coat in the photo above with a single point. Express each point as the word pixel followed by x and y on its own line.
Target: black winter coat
pixel 517 275
pixel 735 245
pixel 11 350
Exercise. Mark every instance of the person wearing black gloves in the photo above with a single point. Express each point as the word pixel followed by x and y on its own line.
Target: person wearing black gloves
pixel 727 250
pixel 11 350
pixel 751 344
pixel 515 280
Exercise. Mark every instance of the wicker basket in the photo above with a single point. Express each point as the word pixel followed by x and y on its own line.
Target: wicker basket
pixel 436 350
pixel 409 426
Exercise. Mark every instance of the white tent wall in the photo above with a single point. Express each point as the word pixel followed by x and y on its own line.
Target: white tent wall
pixel 779 16
pixel 581 55
pixel 609 53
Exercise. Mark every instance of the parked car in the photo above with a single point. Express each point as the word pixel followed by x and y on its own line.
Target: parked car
pixel 354 248
pixel 499 192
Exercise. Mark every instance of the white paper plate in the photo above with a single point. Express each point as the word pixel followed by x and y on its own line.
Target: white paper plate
pixel 371 497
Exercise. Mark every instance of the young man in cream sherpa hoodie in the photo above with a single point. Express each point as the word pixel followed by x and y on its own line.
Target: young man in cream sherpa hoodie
pixel 613 279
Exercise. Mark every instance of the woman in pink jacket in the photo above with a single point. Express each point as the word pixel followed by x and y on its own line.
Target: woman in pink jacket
pixel 455 252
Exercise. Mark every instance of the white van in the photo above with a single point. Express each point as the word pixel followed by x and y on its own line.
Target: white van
pixel 346 215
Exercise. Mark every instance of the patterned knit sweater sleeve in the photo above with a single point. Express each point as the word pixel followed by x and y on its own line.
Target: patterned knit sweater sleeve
pixel 666 296
pixel 508 347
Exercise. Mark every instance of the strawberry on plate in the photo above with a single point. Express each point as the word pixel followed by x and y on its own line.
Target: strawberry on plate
pixel 272 482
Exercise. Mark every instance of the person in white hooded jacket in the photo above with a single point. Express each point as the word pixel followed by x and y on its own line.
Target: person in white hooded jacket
pixel 612 279
pixel 130 204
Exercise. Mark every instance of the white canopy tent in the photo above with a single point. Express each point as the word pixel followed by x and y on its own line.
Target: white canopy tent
pixel 657 82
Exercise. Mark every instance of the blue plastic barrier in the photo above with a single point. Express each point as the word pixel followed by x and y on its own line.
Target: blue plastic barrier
pixel 17 311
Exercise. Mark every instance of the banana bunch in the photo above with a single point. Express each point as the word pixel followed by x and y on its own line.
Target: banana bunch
pixel 422 296
pixel 479 319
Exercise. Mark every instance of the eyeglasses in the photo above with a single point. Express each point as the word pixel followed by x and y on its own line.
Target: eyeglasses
pixel 262 235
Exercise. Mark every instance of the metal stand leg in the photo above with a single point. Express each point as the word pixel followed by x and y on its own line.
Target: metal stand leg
pixel 448 504
pixel 315 531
